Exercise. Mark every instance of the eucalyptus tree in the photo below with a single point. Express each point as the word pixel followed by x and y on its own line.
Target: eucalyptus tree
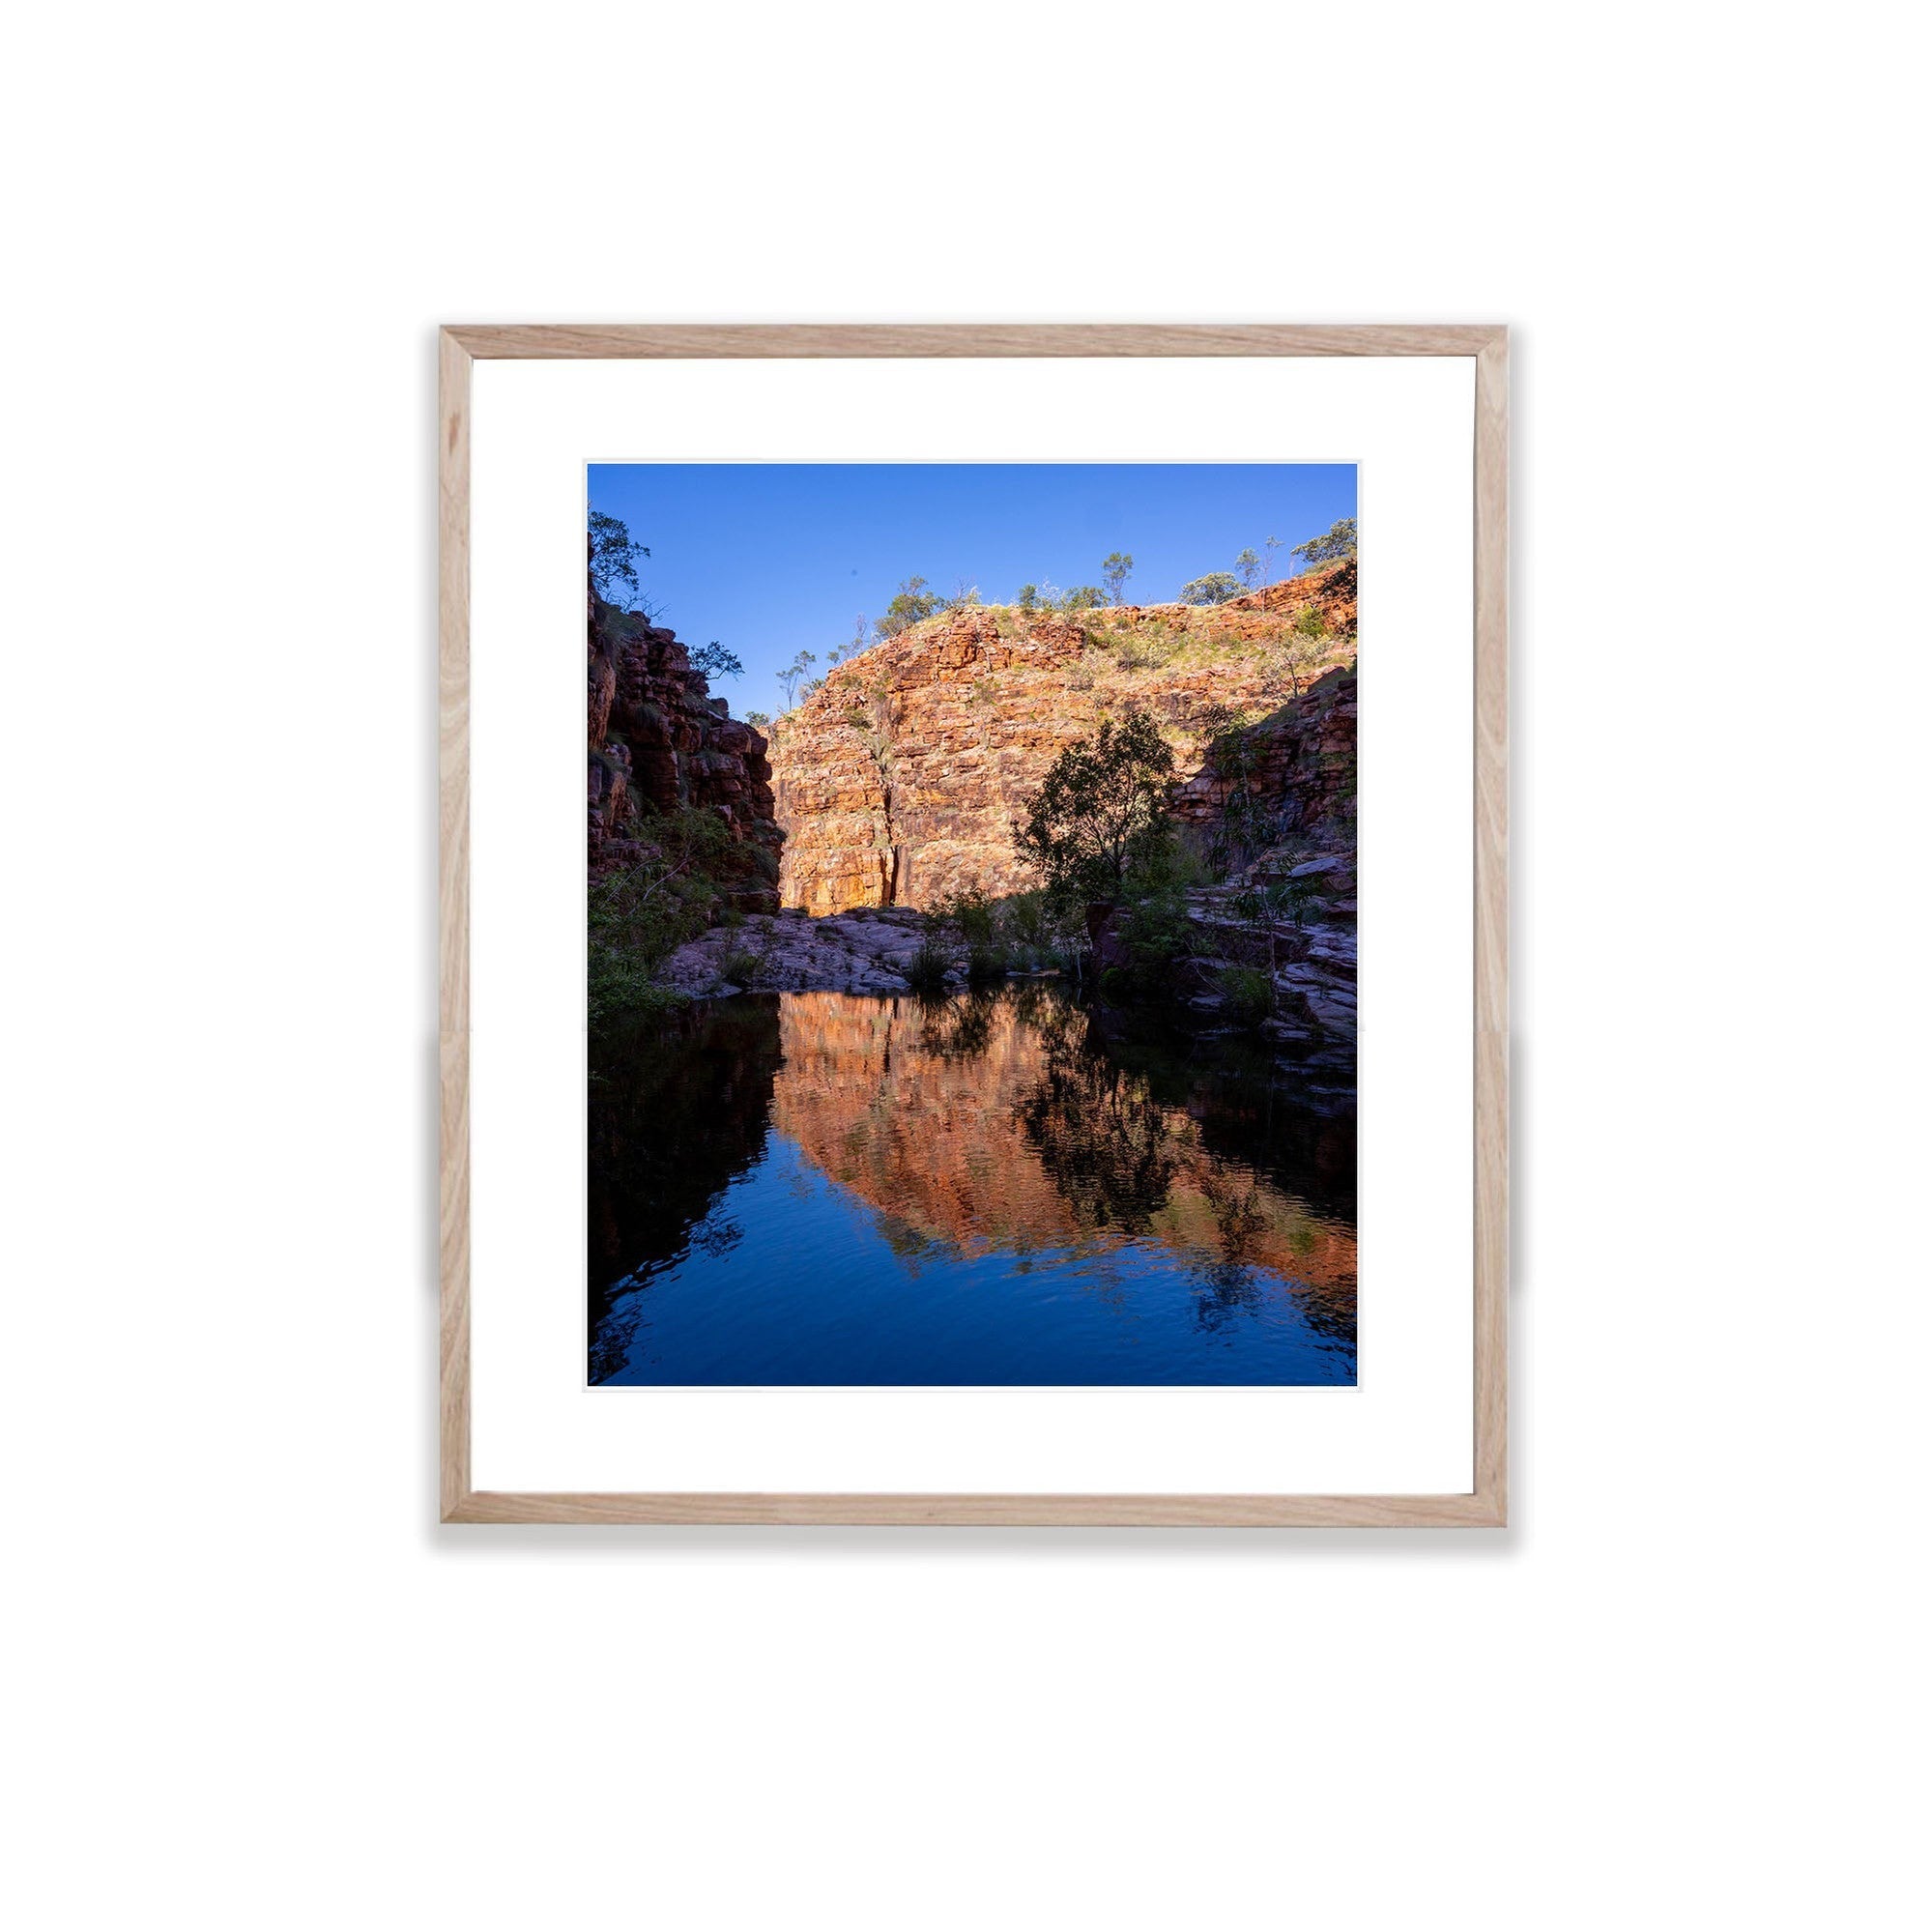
pixel 790 675
pixel 1100 808
pixel 1337 541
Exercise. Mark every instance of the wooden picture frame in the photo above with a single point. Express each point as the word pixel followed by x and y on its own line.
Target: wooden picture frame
pixel 1485 1506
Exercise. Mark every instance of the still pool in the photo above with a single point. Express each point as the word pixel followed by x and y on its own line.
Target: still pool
pixel 1000 1186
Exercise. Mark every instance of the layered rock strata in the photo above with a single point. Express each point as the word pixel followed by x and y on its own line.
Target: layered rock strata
pixel 659 742
pixel 899 781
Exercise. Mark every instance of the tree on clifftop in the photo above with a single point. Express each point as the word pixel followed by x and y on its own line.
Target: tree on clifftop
pixel 614 560
pixel 788 674
pixel 713 660
pixel 1216 587
pixel 1115 572
pixel 1338 540
pixel 1100 808
pixel 914 603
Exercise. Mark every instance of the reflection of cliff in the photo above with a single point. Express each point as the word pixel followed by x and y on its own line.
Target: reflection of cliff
pixel 657 1160
pixel 915 1110
pixel 1001 1122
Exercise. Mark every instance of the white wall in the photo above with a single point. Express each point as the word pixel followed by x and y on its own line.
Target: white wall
pixel 259 1687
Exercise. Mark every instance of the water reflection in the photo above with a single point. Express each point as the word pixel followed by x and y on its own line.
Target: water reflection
pixel 676 1111
pixel 999 1186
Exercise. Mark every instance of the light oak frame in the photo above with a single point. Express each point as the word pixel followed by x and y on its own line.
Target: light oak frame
pixel 1485 1506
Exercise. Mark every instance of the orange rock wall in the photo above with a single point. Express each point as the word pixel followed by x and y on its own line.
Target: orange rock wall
pixel 902 779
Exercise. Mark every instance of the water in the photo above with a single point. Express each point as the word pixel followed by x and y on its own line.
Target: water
pixel 996 1188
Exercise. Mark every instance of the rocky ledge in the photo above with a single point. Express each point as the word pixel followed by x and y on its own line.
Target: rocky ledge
pixel 792 952
pixel 1311 967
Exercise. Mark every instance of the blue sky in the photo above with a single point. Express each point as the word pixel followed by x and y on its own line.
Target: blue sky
pixel 774 558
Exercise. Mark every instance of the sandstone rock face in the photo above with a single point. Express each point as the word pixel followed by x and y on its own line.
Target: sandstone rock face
pixel 1288 782
pixel 901 780
pixel 659 742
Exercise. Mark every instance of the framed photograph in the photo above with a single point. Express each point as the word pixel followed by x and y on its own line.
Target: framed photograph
pixel 1015 1031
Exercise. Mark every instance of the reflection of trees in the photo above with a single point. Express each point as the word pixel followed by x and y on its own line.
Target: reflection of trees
pixel 1098 1133
pixel 678 1110
pixel 1232 1278
pixel 1228 1284
pixel 1232 1091
pixel 1131 1129
pixel 960 1029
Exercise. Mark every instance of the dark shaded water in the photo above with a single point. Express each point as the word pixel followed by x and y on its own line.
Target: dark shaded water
pixel 997 1188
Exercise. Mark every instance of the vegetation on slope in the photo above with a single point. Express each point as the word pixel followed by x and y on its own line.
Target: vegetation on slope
pixel 1189 899
pixel 691 873
pixel 680 827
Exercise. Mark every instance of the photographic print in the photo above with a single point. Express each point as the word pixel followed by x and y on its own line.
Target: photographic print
pixel 972 871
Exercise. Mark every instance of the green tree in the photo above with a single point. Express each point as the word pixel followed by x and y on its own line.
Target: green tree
pixel 1299 652
pixel 759 721
pixel 1027 597
pixel 1100 808
pixel 1216 587
pixel 1271 546
pixel 1082 598
pixel 614 560
pixel 915 602
pixel 1337 541
pixel 1248 565
pixel 713 660
pixel 1114 571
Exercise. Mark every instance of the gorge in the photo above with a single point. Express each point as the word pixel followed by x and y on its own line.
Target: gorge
pixel 899 783
pixel 867 1104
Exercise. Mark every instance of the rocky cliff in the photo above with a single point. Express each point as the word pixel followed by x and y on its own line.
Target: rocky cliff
pixel 900 781
pixel 1283 783
pixel 659 742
